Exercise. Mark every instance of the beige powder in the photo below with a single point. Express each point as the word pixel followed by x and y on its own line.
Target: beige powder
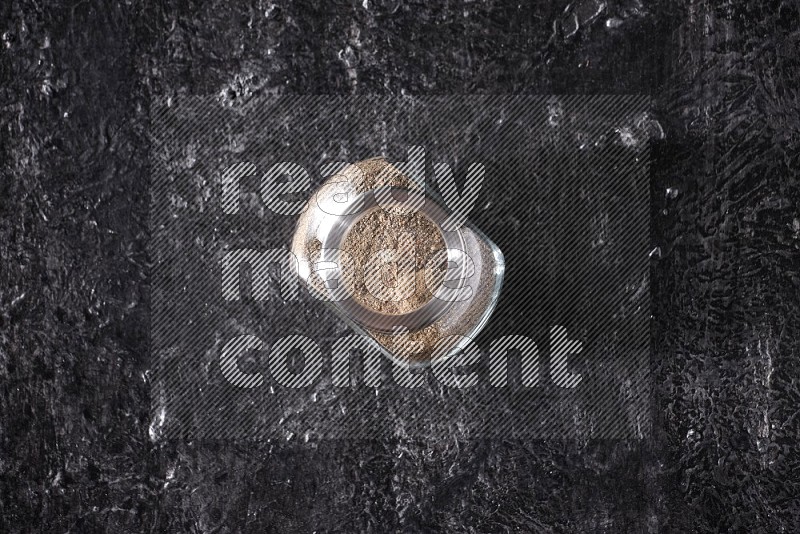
pixel 390 251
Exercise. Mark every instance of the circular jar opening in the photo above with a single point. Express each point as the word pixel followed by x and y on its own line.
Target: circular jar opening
pixel 398 260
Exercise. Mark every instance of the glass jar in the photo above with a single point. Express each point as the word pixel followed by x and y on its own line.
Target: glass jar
pixel 444 277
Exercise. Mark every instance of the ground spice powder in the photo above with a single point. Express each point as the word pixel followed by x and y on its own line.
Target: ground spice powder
pixel 407 241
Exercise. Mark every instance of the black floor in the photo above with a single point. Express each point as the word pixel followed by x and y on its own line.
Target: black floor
pixel 76 454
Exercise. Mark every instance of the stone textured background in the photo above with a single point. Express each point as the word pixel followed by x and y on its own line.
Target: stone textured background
pixel 76 452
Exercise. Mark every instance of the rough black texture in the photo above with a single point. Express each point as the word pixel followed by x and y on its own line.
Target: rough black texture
pixel 77 80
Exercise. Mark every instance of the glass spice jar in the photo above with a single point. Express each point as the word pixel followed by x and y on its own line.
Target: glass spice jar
pixel 382 251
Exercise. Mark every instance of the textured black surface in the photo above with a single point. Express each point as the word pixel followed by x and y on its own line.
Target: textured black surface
pixel 77 80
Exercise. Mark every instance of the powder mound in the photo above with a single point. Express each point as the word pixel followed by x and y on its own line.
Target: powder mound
pixel 391 252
